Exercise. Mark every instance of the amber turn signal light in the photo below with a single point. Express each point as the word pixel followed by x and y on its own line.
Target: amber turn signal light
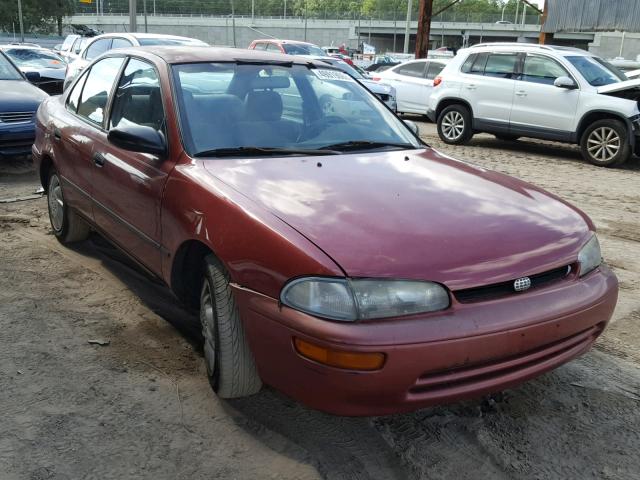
pixel 340 358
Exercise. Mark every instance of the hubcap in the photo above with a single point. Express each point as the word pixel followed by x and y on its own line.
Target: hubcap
pixel 453 125
pixel 56 204
pixel 207 319
pixel 603 144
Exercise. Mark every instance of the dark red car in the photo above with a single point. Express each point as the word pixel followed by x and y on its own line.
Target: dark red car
pixel 331 254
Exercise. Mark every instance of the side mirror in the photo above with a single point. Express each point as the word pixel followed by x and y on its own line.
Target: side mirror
pixel 413 127
pixel 138 138
pixel 565 82
pixel 32 76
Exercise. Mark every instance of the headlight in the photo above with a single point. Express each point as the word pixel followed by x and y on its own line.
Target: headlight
pixel 349 300
pixel 590 256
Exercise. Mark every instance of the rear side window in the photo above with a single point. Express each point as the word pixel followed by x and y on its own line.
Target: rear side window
pixel 272 47
pixel 74 97
pixel 539 69
pixel 412 69
pixel 501 65
pixel 121 43
pixel 98 85
pixel 466 66
pixel 260 46
pixel 434 70
pixel 475 64
pixel 98 48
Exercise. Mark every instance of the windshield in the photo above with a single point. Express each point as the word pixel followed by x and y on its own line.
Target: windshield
pixel 245 107
pixel 8 71
pixel 302 49
pixel 596 71
pixel 24 57
pixel 191 42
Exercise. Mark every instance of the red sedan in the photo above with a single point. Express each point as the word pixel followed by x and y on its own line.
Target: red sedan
pixel 331 253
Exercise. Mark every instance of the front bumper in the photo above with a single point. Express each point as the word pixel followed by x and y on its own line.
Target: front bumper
pixel 16 138
pixel 468 351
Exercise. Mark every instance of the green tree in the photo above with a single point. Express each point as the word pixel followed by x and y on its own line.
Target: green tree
pixel 38 15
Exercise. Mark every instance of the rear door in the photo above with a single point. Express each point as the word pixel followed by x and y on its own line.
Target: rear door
pixel 411 86
pixel 488 86
pixel 539 107
pixel 128 185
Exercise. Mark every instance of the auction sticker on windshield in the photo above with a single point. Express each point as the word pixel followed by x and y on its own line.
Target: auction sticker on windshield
pixel 323 74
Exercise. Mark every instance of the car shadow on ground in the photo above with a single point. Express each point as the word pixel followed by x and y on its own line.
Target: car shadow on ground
pixel 339 447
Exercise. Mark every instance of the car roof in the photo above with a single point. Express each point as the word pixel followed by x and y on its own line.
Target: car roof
pixel 514 46
pixel 290 42
pixel 137 35
pixel 187 54
pixel 22 47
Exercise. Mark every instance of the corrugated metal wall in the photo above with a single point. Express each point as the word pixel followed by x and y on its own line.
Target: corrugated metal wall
pixel 590 15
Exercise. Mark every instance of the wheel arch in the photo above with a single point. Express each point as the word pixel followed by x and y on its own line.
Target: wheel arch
pixel 187 271
pixel 595 115
pixel 46 163
pixel 447 102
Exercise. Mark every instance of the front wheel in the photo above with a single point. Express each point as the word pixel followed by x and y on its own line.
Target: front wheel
pixel 67 226
pixel 605 143
pixel 229 361
pixel 454 125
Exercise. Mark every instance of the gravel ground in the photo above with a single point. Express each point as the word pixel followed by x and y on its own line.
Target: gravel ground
pixel 140 407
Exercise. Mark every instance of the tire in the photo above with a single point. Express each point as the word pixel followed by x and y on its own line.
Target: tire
pixel 66 224
pixel 605 143
pixel 506 137
pixel 454 125
pixel 230 365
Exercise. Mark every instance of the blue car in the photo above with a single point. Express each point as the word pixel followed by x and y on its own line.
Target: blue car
pixel 19 101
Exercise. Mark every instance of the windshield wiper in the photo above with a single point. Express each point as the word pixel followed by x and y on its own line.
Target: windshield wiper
pixel 366 144
pixel 262 151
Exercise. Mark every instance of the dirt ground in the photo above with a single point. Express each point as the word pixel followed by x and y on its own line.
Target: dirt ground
pixel 141 407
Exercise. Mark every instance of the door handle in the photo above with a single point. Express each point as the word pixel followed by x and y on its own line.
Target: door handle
pixel 57 134
pixel 99 159
pixel 521 93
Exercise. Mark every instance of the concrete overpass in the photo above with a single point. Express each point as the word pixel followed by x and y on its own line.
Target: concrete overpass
pixel 380 33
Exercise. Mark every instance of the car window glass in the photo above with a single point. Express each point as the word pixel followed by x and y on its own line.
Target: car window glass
pixel 137 99
pixel 501 65
pixel 68 41
pixel 539 69
pixel 595 70
pixel 272 47
pixel 411 69
pixel 260 46
pixel 434 70
pixel 74 97
pixel 466 66
pixel 26 57
pixel 97 48
pixel 99 82
pixel 477 68
pixel 121 43
pixel 8 71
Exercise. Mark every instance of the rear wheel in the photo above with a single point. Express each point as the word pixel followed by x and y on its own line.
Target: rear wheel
pixel 454 125
pixel 229 361
pixel 67 226
pixel 605 143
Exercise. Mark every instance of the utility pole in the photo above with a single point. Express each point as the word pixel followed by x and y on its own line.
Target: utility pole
pixel 133 16
pixel 285 9
pixel 407 28
pixel 544 37
pixel 233 21
pixel 424 28
pixel 144 8
pixel 20 20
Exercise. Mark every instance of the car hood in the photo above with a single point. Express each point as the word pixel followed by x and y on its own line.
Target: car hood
pixel 377 87
pixel 414 215
pixel 19 96
pixel 619 86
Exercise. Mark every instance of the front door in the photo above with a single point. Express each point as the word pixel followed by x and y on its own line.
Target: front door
pixel 539 107
pixel 411 86
pixel 128 193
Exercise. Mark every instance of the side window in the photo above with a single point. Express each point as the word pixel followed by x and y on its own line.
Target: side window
pixel 272 47
pixel 434 69
pixel 74 97
pixel 97 48
pixel 260 46
pixel 412 69
pixel 121 43
pixel 501 65
pixel 479 63
pixel 468 63
pixel 137 99
pixel 95 95
pixel 539 69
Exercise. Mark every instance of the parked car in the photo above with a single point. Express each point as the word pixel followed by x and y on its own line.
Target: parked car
pixel 72 46
pixel 103 43
pixel 290 47
pixel 381 63
pixel 413 83
pixel 51 67
pixel 336 258
pixel 19 101
pixel 540 91
pixel 383 91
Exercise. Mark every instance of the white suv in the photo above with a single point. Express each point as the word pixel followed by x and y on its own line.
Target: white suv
pixel 540 91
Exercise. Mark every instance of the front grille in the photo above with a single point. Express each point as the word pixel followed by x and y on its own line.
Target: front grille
pixel 497 290
pixel 479 375
pixel 16 117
